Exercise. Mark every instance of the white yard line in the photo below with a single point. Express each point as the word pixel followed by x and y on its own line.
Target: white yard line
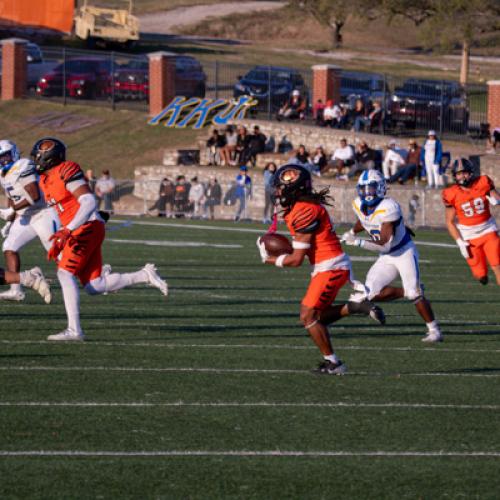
pixel 166 243
pixel 137 369
pixel 248 453
pixel 247 230
pixel 259 404
pixel 249 346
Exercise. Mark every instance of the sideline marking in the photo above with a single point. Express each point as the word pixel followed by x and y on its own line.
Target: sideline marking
pixel 247 230
pixel 249 346
pixel 182 244
pixel 259 404
pixel 248 453
pixel 236 370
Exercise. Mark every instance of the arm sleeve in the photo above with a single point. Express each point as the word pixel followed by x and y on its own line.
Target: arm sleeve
pixel 87 207
pixel 373 247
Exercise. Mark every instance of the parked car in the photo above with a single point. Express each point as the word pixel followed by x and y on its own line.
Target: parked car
pixel 37 66
pixel 131 80
pixel 270 82
pixel 423 103
pixel 86 78
pixel 365 86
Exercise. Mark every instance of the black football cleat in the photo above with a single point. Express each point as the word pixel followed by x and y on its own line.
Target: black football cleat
pixel 328 368
pixel 377 314
pixel 483 280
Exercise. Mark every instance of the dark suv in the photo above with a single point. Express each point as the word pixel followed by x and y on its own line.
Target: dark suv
pixel 86 78
pixel 131 80
pixel 273 83
pixel 365 86
pixel 423 103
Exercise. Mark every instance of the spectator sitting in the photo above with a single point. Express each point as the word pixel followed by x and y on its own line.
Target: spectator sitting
pixel 294 108
pixel 332 114
pixel 392 160
pixel 358 112
pixel 317 111
pixel 228 152
pixel 365 159
pixel 342 157
pixel 213 196
pixel 411 165
pixel 242 144
pixel 319 160
pixel 369 121
pixel 302 155
pixel 181 196
pixel 214 144
pixel 256 145
pixel 104 188
pixel 165 198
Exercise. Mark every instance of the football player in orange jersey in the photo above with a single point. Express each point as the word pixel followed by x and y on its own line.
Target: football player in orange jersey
pixel 313 236
pixel 469 219
pixel 77 244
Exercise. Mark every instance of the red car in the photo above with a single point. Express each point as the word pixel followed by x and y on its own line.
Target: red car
pixel 131 81
pixel 86 78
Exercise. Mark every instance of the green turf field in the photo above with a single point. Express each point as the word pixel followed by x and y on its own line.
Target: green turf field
pixel 208 394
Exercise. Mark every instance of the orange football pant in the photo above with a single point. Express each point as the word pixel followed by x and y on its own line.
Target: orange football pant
pixel 485 248
pixel 324 287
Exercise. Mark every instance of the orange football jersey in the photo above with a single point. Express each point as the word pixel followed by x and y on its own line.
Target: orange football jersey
pixel 53 184
pixel 311 218
pixel 470 203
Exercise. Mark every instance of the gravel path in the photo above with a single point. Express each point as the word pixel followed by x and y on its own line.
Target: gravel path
pixel 164 22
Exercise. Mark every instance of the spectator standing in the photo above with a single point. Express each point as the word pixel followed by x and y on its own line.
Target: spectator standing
pixel 104 189
pixel 91 178
pixel 392 160
pixel 197 197
pixel 493 140
pixel 410 169
pixel 430 157
pixel 243 192
pixel 269 171
pixel 181 196
pixel 213 197
pixel 214 144
pixel 228 152
pixel 413 206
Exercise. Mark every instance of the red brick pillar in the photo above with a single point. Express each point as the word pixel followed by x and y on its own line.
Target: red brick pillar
pixel 14 69
pixel 494 104
pixel 326 83
pixel 161 80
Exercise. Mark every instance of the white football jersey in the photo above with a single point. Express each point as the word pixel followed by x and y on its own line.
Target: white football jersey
pixel 388 210
pixel 14 181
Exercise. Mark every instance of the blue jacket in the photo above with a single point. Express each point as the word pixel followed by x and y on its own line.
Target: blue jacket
pixel 438 156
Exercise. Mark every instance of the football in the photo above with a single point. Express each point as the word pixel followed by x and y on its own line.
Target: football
pixel 276 244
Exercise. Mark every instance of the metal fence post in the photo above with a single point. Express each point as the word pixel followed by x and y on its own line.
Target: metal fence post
pixel 113 106
pixel 216 71
pixel 441 110
pixel 64 77
pixel 384 104
pixel 269 104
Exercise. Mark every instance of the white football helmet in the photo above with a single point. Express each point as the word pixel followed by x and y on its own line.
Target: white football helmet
pixel 371 187
pixel 9 154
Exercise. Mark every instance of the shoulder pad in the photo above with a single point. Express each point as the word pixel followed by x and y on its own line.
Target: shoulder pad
pixel 70 171
pixel 306 218
pixel 26 167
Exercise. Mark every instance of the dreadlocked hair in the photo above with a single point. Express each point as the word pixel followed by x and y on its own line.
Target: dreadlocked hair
pixel 319 197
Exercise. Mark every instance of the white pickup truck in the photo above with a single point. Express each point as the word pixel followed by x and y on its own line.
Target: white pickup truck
pixel 37 67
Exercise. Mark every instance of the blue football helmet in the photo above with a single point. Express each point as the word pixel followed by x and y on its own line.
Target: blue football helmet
pixel 9 154
pixel 371 188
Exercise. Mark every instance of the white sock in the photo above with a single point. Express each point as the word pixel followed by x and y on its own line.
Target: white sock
pixel 115 281
pixel 16 288
pixel 332 357
pixel 71 295
pixel 433 326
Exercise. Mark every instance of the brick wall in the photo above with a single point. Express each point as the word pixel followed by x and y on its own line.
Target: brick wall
pixel 14 69
pixel 326 83
pixel 494 104
pixel 161 81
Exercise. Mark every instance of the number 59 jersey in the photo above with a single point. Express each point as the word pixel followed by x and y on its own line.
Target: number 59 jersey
pixel 472 207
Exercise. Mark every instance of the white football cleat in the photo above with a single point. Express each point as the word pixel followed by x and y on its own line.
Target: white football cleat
pixel 15 295
pixel 67 335
pixel 106 269
pixel 433 336
pixel 154 279
pixel 39 284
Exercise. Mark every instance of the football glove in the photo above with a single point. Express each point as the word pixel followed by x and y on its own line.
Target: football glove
pixel 7 214
pixel 59 239
pixel 349 238
pixel 464 248
pixel 262 250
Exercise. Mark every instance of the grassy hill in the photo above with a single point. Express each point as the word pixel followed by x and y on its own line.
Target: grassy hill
pixel 119 140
